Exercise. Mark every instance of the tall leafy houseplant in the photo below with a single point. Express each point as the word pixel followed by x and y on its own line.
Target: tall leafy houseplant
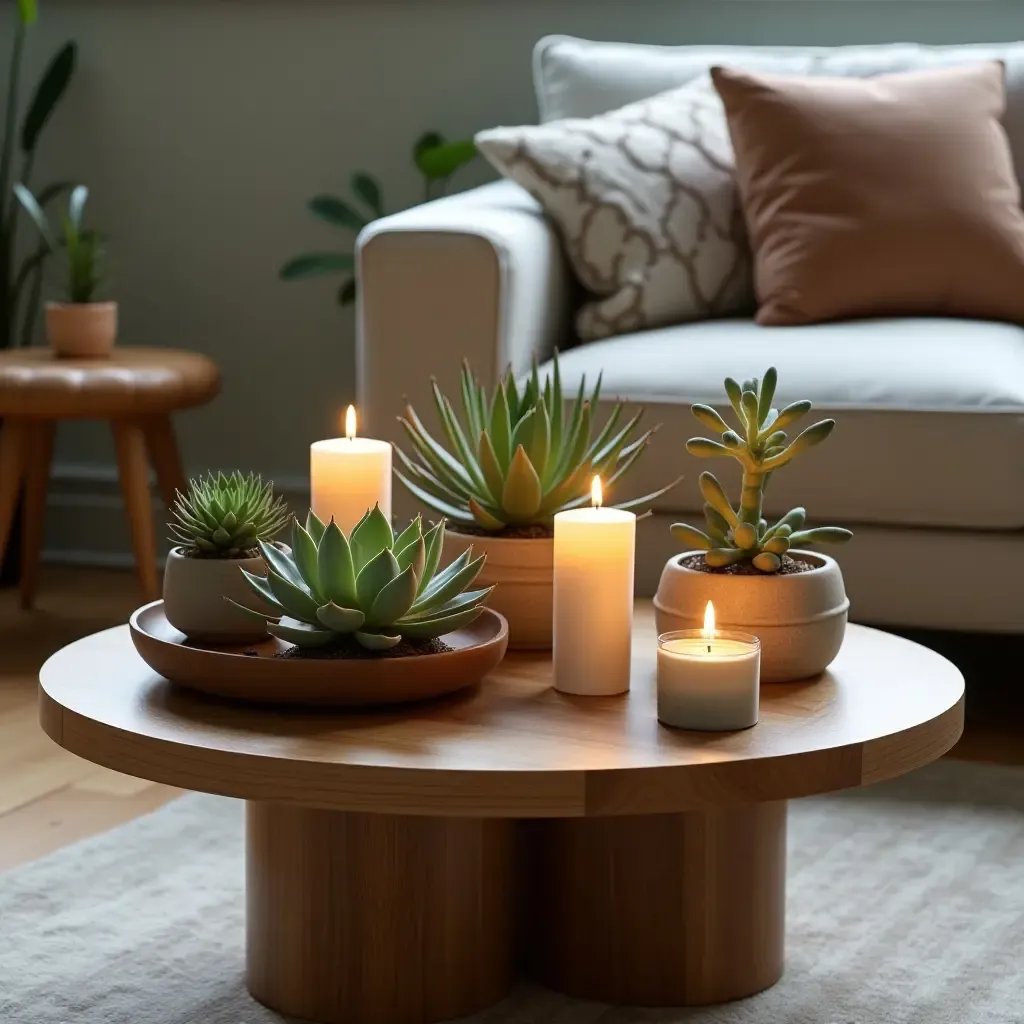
pixel 434 157
pixel 21 282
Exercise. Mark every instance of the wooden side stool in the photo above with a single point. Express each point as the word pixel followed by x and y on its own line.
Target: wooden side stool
pixel 136 389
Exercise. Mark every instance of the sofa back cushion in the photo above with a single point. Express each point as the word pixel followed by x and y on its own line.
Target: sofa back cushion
pixel 579 78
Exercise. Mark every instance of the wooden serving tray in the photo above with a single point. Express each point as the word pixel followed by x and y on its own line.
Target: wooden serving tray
pixel 266 679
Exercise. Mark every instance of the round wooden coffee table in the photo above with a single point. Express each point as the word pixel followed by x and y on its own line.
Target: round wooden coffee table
pixel 136 389
pixel 401 863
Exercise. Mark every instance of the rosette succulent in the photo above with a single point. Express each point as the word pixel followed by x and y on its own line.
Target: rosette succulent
pixel 518 456
pixel 227 516
pixel 761 446
pixel 372 586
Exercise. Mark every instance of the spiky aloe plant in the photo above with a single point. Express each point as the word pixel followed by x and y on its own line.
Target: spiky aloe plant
pixel 516 456
pixel 761 447
pixel 373 586
pixel 227 516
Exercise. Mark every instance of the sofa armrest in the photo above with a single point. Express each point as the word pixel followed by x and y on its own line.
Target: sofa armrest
pixel 477 276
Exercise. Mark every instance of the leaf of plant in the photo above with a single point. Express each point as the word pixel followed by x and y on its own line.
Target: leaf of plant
pixel 35 211
pixel 368 191
pixel 304 553
pixel 425 629
pixel 347 292
pixel 339 618
pixel 377 641
pixel 521 496
pixel 49 91
pixel 394 600
pixel 299 633
pixel 501 427
pixel 434 538
pixel 316 264
pixel 374 576
pixel 76 206
pixel 428 140
pixel 442 161
pixel 372 535
pixel 336 211
pixel 27 11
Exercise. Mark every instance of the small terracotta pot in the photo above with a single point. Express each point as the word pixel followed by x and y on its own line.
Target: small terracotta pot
pixel 195 592
pixel 522 572
pixel 81 330
pixel 800 618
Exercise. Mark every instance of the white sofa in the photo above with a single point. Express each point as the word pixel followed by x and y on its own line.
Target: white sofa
pixel 927 461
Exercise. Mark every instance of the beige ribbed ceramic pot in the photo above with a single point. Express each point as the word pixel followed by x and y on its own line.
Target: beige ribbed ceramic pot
pixel 81 329
pixel 800 618
pixel 195 592
pixel 522 573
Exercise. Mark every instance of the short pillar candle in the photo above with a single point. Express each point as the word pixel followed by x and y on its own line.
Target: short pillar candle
pixel 348 476
pixel 708 679
pixel 593 598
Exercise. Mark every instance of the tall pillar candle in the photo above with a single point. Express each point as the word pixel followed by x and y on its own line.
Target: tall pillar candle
pixel 349 475
pixel 593 598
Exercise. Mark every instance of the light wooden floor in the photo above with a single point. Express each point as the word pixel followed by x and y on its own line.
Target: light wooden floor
pixel 49 798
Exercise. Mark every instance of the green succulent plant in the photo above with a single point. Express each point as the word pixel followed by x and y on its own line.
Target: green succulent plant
pixel 372 585
pixel 761 446
pixel 227 516
pixel 517 457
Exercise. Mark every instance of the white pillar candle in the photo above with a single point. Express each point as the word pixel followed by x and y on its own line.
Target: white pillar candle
pixel 349 475
pixel 708 679
pixel 593 598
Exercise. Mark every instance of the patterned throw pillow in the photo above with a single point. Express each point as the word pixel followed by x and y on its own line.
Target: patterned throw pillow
pixel 647 206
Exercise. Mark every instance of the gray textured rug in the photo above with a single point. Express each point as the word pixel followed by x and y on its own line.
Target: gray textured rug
pixel 906 907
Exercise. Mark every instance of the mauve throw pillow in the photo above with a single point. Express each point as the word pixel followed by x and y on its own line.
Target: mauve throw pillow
pixel 646 204
pixel 886 196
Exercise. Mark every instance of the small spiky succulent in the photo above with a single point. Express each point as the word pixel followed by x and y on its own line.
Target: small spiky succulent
pixel 227 516
pixel 517 458
pixel 373 586
pixel 761 447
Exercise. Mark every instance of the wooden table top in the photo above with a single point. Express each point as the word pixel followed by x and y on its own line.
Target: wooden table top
pixel 132 381
pixel 512 747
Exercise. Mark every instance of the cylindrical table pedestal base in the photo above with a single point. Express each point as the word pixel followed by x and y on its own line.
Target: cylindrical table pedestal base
pixel 663 910
pixel 378 919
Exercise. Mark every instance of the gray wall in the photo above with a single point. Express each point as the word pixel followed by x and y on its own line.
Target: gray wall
pixel 202 127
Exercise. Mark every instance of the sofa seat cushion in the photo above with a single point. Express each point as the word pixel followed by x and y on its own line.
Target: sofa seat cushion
pixel 930 414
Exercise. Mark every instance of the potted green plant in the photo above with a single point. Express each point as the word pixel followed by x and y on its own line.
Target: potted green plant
pixel 338 596
pixel 516 458
pixel 760 577
pixel 218 527
pixel 435 157
pixel 81 327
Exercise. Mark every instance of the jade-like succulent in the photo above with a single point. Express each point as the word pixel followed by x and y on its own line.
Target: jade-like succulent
pixel 373 586
pixel 516 458
pixel 761 447
pixel 227 516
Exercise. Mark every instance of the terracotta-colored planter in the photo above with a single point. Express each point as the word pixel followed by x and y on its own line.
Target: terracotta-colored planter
pixel 195 592
pixel 522 571
pixel 800 618
pixel 85 330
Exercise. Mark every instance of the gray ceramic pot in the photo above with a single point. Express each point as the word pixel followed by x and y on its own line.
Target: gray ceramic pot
pixel 800 618
pixel 194 598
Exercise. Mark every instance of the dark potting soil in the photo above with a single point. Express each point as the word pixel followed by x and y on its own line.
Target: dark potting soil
pixel 789 566
pixel 214 557
pixel 348 648
pixel 536 531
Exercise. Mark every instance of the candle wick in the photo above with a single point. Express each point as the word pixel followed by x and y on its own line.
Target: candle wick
pixel 709 647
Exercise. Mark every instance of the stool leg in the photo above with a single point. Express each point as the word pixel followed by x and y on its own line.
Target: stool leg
pixel 39 450
pixel 13 442
pixel 163 453
pixel 130 444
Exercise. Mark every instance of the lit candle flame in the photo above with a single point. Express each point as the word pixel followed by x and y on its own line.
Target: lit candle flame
pixel 350 422
pixel 709 624
pixel 595 492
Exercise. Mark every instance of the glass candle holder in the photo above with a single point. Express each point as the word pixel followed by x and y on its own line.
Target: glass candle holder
pixel 706 682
